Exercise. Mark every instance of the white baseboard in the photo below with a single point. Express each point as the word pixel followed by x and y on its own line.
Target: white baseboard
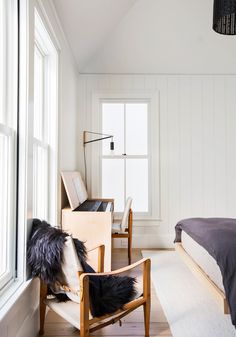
pixel 147 241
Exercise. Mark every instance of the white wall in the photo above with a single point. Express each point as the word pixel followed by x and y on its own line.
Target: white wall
pixel 197 145
pixel 165 36
pixel 21 318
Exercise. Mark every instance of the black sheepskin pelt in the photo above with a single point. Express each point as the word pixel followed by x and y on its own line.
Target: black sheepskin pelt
pixel 45 257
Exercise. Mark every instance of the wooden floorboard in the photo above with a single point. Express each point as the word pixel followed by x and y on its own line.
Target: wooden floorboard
pixel 132 325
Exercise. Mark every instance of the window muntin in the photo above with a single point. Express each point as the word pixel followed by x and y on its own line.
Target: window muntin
pixel 126 171
pixel 8 139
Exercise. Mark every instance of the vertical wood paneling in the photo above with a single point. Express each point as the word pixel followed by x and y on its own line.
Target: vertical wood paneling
pixel 173 132
pixel 220 146
pixel 82 113
pixel 208 147
pixel 161 84
pixel 197 144
pixel 230 85
pixel 185 147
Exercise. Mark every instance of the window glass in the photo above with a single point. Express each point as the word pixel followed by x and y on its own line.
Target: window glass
pixel 136 128
pixel 40 182
pixel 113 124
pixel 38 93
pixel 2 60
pixel 3 203
pixel 113 181
pixel 137 183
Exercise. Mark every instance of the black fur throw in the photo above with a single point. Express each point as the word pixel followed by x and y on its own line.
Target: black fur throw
pixel 45 254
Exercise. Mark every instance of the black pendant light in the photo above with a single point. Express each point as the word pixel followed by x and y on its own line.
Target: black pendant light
pixel 224 17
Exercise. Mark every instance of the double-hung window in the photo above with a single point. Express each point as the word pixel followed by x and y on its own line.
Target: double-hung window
pixel 126 171
pixel 8 139
pixel 45 124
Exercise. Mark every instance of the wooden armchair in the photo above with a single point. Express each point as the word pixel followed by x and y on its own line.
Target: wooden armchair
pixel 78 314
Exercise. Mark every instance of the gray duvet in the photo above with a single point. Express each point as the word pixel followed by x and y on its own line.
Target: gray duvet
pixel 218 237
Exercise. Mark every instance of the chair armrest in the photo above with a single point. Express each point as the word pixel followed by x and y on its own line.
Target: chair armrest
pixel 84 288
pixel 121 270
pixel 146 274
pixel 101 256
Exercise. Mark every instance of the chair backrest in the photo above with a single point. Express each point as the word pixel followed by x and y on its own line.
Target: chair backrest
pixel 124 221
pixel 70 267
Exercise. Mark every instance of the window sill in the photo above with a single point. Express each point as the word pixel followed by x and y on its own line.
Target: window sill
pixel 11 295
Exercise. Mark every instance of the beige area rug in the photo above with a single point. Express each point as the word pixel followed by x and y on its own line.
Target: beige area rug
pixel 190 308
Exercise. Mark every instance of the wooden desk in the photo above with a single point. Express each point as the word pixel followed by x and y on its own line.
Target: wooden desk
pixel 94 228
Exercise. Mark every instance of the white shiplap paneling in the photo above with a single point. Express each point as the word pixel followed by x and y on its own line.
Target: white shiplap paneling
pixel 197 145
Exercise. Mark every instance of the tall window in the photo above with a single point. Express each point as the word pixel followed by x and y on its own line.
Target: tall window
pixel 126 172
pixel 45 124
pixel 8 138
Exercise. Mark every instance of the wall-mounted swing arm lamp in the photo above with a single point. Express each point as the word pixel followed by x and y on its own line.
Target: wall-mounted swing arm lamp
pixel 99 137
pixel 104 136
pixel 224 17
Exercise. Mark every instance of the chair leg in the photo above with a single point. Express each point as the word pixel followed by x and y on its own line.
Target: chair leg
pixel 130 249
pixel 84 332
pixel 43 294
pixel 146 311
pixel 130 233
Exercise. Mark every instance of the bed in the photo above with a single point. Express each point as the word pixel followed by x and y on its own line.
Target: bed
pixel 208 246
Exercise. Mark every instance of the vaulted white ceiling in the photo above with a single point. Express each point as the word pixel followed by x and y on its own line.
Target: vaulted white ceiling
pixel 145 36
pixel 87 23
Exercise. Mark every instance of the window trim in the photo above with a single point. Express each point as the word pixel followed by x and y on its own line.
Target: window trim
pixel 95 151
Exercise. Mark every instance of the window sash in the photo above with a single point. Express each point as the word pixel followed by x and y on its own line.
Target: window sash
pixel 40 182
pixel 129 156
pixel 125 127
pixel 8 139
pixel 125 159
pixel 7 204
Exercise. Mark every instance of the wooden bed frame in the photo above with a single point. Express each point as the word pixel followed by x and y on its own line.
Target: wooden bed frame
pixel 199 272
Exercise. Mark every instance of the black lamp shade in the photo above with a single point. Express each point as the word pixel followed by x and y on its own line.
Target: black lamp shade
pixel 112 146
pixel 224 17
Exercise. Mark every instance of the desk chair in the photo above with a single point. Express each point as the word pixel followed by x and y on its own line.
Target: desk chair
pixel 77 311
pixel 123 229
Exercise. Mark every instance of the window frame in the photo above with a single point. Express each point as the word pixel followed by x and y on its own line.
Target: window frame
pixel 94 152
pixel 25 33
pixel 9 132
pixel 127 156
pixel 47 47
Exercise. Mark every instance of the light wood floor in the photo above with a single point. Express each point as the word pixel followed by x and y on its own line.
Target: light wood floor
pixel 132 325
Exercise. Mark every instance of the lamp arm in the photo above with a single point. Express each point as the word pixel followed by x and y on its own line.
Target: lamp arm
pixel 106 136
pixel 96 140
